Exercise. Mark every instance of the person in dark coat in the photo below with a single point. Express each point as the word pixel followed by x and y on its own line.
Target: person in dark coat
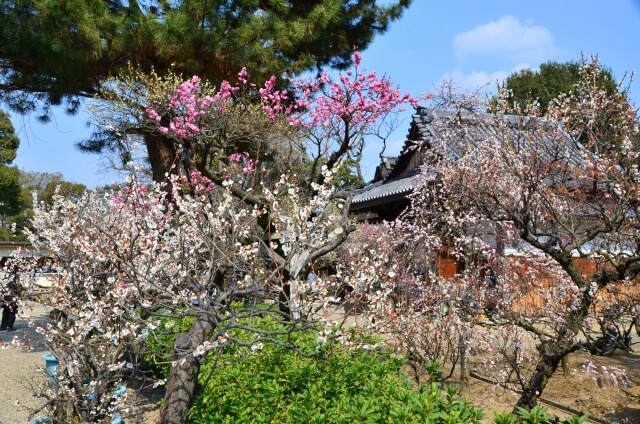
pixel 9 312
pixel 9 307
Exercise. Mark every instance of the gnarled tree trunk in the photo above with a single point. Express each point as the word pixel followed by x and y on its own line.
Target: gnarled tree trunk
pixel 162 155
pixel 183 378
pixel 553 353
pixel 544 370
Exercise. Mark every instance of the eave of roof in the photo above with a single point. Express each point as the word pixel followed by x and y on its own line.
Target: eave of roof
pixel 396 188
pixel 478 128
pixel 385 189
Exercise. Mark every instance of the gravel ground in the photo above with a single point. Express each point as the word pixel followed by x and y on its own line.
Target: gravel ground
pixel 22 367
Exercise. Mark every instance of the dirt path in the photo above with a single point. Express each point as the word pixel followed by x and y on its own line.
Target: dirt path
pixel 605 400
pixel 21 366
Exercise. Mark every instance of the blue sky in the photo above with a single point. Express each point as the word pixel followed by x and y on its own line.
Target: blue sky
pixel 471 42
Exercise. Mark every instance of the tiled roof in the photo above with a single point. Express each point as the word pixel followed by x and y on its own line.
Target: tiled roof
pixel 462 129
pixel 453 133
pixel 385 188
pixel 523 132
pixel 389 188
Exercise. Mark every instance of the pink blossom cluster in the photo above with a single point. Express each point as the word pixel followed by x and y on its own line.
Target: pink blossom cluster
pixel 274 102
pixel 356 99
pixel 200 183
pixel 187 106
pixel 239 167
pixel 334 110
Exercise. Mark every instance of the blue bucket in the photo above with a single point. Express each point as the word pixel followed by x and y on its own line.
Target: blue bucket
pixel 51 366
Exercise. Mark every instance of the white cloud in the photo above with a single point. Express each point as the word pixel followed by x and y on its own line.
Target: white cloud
pixel 520 67
pixel 506 38
pixel 475 80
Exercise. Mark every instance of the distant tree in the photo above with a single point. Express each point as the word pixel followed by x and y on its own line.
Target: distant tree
pixel 44 186
pixel 551 80
pixel 10 199
pixel 532 92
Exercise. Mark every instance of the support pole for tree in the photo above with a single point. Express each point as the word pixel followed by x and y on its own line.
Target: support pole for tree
pixel 464 366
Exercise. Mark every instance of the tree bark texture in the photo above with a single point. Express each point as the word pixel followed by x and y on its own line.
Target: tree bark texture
pixel 465 371
pixel 162 155
pixel 544 370
pixel 183 378
pixel 552 356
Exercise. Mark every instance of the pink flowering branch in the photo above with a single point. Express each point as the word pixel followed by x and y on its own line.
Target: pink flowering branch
pixel 334 116
pixel 357 100
pixel 187 106
pixel 339 115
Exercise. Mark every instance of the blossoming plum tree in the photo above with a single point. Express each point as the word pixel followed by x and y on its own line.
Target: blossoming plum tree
pixel 316 122
pixel 426 318
pixel 215 244
pixel 530 186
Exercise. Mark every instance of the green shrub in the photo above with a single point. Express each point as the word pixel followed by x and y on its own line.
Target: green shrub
pixel 504 418
pixel 537 415
pixel 541 415
pixel 159 343
pixel 276 385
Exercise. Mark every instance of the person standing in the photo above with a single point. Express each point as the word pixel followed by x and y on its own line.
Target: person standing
pixel 9 312
pixel 9 306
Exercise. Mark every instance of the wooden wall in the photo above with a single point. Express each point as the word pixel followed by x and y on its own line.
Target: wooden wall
pixel 532 284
